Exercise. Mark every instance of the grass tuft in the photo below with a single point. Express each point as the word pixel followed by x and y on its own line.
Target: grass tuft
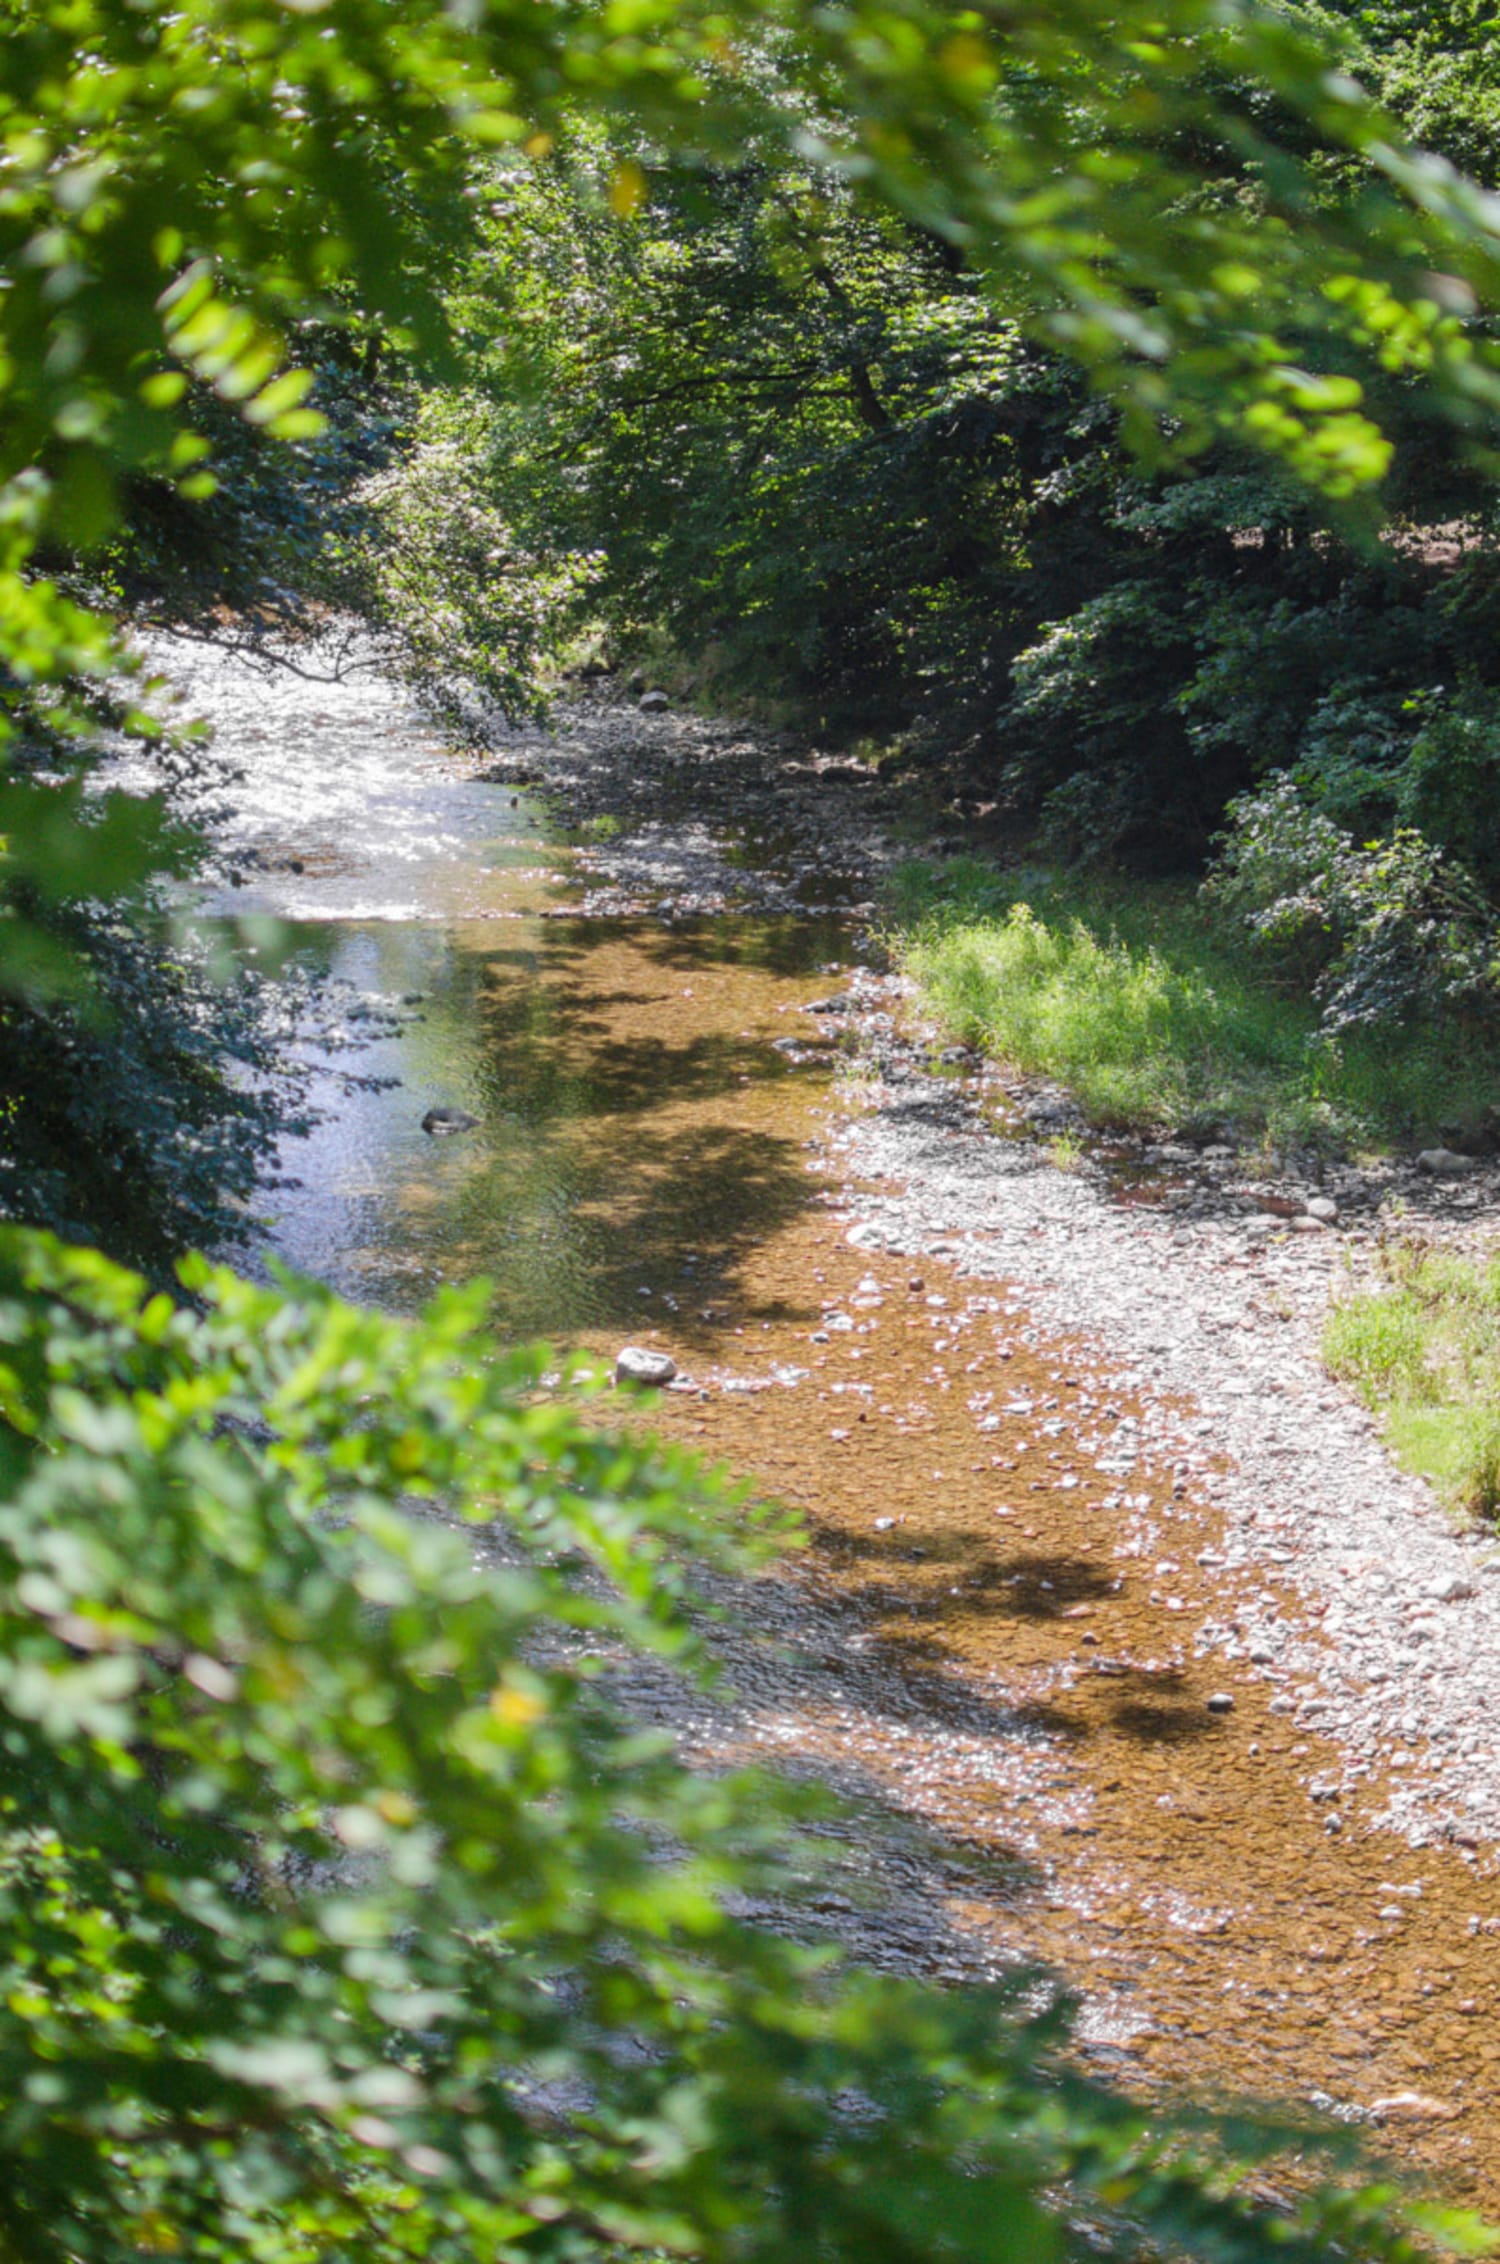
pixel 1133 997
pixel 1423 1350
pixel 1065 1152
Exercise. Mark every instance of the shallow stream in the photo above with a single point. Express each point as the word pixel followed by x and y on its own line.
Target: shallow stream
pixel 973 1645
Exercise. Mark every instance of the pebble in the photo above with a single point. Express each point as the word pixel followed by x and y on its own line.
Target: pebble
pixel 440 1122
pixel 1413 2106
pixel 637 1364
pixel 1221 1702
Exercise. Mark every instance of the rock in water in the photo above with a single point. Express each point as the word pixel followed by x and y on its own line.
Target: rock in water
pixel 636 1364
pixel 441 1120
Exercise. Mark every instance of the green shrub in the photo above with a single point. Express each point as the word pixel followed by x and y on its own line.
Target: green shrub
pixel 1380 1344
pixel 1382 933
pixel 1135 1037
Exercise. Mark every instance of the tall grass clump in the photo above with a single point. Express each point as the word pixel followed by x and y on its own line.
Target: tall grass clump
pixel 1136 998
pixel 1422 1349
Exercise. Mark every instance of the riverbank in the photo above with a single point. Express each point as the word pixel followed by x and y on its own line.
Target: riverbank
pixel 1112 1593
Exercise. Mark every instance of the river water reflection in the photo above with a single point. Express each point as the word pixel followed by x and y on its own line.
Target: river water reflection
pixel 609 1066
pixel 615 1068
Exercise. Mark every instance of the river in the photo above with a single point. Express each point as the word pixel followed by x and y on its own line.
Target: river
pixel 968 1647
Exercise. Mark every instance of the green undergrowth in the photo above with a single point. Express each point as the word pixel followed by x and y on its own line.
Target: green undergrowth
pixel 1137 999
pixel 1422 1348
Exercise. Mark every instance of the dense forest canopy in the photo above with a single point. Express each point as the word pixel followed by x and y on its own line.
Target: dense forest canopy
pixel 995 379
pixel 1102 400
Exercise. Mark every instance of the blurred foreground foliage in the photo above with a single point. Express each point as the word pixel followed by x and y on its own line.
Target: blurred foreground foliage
pixel 346 1912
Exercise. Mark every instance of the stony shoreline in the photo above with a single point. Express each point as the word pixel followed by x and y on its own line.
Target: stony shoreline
pixel 1377 1616
pixel 1338 1579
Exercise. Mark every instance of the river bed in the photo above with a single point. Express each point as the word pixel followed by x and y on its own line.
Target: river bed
pixel 990 1641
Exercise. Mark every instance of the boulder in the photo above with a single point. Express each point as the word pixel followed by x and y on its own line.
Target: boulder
pixel 441 1121
pixel 1442 1163
pixel 654 703
pixel 638 1364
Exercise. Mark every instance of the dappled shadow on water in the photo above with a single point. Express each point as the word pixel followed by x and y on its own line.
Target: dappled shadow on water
pixel 785 948
pixel 1023 1584
pixel 1162 1724
pixel 633 1140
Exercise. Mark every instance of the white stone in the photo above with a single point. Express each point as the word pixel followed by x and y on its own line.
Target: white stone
pixel 637 1364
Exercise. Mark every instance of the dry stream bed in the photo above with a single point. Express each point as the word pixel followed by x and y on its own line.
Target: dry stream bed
pixel 1131 1648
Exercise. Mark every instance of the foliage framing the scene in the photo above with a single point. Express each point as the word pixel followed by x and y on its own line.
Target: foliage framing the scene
pixel 341 1914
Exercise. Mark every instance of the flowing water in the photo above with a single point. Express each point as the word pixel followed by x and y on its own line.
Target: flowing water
pixel 968 1647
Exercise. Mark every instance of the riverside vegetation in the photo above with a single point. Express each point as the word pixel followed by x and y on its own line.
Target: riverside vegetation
pixel 1421 1348
pixel 1038 384
pixel 1144 1000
